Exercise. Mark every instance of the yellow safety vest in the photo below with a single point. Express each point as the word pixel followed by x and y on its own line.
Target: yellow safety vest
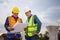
pixel 31 26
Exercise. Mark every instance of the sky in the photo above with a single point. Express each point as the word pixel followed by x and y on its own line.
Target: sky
pixel 48 11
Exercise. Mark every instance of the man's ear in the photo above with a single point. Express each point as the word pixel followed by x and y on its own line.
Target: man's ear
pixel 12 12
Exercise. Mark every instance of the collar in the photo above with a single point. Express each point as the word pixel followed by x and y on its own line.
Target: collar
pixel 15 17
pixel 30 16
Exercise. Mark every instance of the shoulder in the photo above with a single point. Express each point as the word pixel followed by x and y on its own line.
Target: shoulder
pixel 35 16
pixel 9 16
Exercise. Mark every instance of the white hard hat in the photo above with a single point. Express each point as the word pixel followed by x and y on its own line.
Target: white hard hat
pixel 27 9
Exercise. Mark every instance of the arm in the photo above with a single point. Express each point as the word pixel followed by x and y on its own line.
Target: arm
pixel 6 24
pixel 36 20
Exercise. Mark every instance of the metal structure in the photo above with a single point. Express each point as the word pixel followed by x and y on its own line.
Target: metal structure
pixel 53 31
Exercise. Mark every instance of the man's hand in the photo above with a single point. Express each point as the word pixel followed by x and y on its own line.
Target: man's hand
pixel 25 28
pixel 35 33
pixel 10 28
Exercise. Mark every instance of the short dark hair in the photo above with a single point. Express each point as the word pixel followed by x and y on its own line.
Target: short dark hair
pixel 29 10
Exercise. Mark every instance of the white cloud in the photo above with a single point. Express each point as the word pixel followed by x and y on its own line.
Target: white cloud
pixel 50 12
pixel 58 20
pixel 44 16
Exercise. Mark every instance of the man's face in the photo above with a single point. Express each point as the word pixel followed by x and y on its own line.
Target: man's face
pixel 15 14
pixel 28 14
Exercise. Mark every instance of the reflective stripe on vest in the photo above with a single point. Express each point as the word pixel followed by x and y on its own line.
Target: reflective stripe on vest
pixel 31 26
pixel 12 21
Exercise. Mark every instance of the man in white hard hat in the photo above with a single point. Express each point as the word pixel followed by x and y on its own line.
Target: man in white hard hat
pixel 33 26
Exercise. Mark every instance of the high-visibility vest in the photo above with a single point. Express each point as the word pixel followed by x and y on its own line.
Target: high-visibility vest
pixel 12 21
pixel 31 26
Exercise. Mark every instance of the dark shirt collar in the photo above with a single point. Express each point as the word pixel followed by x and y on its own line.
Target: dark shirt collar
pixel 30 16
pixel 15 18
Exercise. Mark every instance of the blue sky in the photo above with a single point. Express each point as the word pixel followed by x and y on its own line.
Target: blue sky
pixel 48 11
